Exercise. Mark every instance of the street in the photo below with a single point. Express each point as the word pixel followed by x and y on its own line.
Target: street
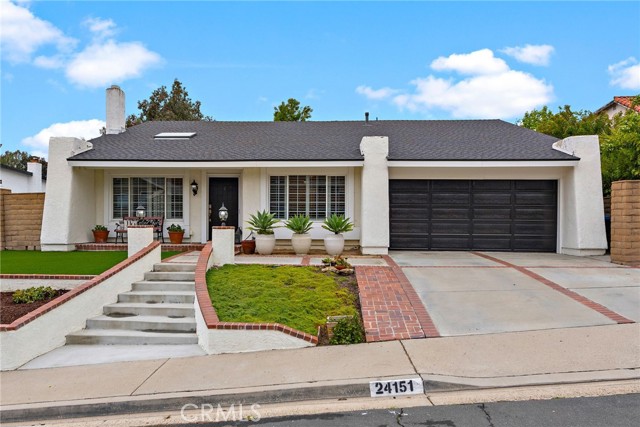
pixel 607 411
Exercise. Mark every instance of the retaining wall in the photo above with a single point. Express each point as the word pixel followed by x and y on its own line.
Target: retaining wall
pixel 625 222
pixel 20 220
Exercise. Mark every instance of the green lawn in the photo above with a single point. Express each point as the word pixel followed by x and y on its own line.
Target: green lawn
pixel 299 297
pixel 36 262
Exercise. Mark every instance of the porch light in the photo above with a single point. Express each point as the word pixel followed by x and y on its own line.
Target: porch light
pixel 140 211
pixel 194 187
pixel 223 214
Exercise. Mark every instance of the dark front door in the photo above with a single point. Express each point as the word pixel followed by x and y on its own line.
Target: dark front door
pixel 223 190
pixel 449 215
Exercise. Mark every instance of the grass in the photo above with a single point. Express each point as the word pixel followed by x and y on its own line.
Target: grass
pixel 299 297
pixel 36 262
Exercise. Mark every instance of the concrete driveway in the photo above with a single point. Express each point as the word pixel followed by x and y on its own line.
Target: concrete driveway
pixel 492 292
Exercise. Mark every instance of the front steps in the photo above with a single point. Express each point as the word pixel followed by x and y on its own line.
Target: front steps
pixel 158 310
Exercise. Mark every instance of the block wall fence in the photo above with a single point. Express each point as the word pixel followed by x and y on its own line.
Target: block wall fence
pixel 625 222
pixel 20 220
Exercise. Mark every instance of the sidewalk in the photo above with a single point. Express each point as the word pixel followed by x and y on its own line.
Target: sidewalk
pixel 600 353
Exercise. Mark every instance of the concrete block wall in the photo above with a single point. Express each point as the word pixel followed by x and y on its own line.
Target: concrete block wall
pixel 625 222
pixel 20 220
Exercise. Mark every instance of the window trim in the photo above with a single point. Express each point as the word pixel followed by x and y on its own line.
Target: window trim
pixel 327 185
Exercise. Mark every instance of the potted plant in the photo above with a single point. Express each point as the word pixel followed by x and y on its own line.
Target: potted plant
pixel 100 234
pixel 263 224
pixel 176 233
pixel 249 244
pixel 301 239
pixel 337 224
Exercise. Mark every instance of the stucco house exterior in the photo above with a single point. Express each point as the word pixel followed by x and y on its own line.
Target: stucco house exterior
pixel 20 181
pixel 619 105
pixel 422 185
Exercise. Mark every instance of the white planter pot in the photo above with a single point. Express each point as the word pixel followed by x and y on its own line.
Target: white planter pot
pixel 301 243
pixel 334 244
pixel 265 243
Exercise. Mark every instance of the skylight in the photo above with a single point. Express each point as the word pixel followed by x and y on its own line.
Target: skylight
pixel 175 135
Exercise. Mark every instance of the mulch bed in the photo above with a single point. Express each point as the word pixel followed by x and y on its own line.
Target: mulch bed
pixel 10 311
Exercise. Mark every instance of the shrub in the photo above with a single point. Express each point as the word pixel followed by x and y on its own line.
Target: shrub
pixel 175 228
pixel 99 228
pixel 33 294
pixel 348 331
pixel 299 224
pixel 262 222
pixel 337 224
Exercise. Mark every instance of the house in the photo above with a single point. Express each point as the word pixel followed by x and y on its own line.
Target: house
pixel 421 185
pixel 620 104
pixel 20 181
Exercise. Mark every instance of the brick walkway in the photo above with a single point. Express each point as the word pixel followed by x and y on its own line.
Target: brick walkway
pixel 391 311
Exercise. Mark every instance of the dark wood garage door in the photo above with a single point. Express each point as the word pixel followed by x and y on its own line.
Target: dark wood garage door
pixel 514 215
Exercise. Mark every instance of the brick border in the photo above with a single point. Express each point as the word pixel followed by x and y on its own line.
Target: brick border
pixel 573 295
pixel 428 326
pixel 211 317
pixel 165 247
pixel 95 281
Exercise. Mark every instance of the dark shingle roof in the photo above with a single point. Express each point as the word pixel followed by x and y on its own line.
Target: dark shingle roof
pixel 333 141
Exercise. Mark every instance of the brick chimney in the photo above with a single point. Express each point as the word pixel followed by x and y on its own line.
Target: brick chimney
pixel 115 110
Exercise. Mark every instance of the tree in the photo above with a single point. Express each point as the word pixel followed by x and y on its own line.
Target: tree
pixel 291 112
pixel 620 150
pixel 566 122
pixel 162 105
pixel 19 159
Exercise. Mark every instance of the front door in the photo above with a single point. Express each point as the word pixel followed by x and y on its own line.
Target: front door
pixel 223 190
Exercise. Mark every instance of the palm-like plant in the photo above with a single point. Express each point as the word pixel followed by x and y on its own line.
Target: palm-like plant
pixel 337 224
pixel 299 224
pixel 262 222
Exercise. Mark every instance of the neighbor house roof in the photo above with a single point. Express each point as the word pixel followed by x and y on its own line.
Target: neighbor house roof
pixel 24 172
pixel 625 101
pixel 328 141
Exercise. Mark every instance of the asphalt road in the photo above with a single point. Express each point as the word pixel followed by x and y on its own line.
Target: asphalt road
pixel 608 411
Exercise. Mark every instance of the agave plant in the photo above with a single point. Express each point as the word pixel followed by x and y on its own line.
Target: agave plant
pixel 262 222
pixel 337 224
pixel 299 224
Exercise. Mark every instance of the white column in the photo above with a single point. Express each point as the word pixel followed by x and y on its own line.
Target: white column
pixel 375 196
pixel 138 237
pixel 223 244
pixel 35 183
pixel 583 231
pixel 69 204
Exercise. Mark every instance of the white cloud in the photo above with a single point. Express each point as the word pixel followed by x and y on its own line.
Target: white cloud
pixel 375 94
pixel 101 64
pixel 21 33
pixel 101 28
pixel 474 63
pixel 49 62
pixel 39 143
pixel 492 89
pixel 531 54
pixel 625 74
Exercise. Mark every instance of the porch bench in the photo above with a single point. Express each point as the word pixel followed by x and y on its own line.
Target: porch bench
pixel 156 221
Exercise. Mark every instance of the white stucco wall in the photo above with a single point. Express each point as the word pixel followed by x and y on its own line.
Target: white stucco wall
pixel 242 341
pixel 20 182
pixel 583 227
pixel 70 203
pixel 251 195
pixel 49 331
pixel 375 195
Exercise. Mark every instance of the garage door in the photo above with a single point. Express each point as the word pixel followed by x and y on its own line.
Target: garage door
pixel 514 215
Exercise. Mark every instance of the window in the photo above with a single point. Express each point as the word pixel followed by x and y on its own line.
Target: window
pixel 159 196
pixel 315 195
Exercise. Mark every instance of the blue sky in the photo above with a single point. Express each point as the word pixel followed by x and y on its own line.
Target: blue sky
pixel 414 60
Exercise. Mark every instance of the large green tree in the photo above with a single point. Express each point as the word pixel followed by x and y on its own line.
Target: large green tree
pixel 566 122
pixel 163 105
pixel 291 112
pixel 620 150
pixel 19 159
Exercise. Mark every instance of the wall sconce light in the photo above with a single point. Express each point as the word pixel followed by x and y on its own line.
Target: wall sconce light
pixel 140 211
pixel 223 214
pixel 194 187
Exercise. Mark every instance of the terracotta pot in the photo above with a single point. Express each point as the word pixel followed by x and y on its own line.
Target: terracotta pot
pixel 334 244
pixel 248 247
pixel 265 243
pixel 101 236
pixel 301 243
pixel 176 237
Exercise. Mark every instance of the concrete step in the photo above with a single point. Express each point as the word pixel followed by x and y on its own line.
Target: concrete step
pixel 142 309
pixel 144 323
pixel 174 266
pixel 146 285
pixel 181 276
pixel 125 337
pixel 158 296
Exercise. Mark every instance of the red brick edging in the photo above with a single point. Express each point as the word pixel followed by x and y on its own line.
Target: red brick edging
pixel 29 317
pixel 573 295
pixel 211 317
pixel 166 247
